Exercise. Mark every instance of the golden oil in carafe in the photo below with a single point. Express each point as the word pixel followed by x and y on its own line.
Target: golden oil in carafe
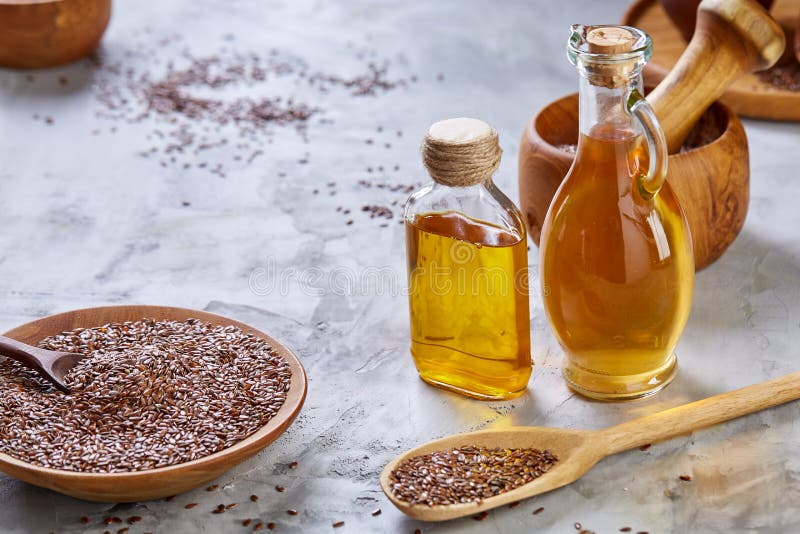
pixel 470 328
pixel 617 271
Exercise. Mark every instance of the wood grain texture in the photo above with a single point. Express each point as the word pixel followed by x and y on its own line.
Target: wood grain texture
pixel 52 32
pixel 712 182
pixel 747 95
pixel 732 37
pixel 165 481
pixel 579 450
pixel 700 414
pixel 51 365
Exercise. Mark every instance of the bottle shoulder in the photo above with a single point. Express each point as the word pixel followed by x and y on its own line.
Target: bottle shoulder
pixel 483 202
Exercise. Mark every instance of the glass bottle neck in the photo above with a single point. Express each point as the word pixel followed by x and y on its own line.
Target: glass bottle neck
pixel 603 108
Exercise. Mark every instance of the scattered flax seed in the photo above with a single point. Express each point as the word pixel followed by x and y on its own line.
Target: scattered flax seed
pixel 292 511
pixel 338 524
pixel 231 506
pixel 481 516
pixel 246 522
pixel 148 394
pixel 170 498
pixel 190 505
pixel 513 504
pixel 643 532
pixel 271 526
pixel 213 487
pixel 259 526
pixel 645 447
pixel 625 529
pixel 685 478
pixel 84 520
pixel 538 510
pixel 784 75
pixel 418 531
pixel 123 530
pixel 376 512
pixel 467 474
pixel 134 519
pixel 293 465
pixel 254 498
pixel 280 489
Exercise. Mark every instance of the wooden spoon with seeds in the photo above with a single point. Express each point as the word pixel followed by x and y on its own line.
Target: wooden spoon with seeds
pixel 579 450
pixel 50 365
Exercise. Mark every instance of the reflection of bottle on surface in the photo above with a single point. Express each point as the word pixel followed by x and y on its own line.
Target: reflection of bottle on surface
pixel 616 255
pixel 468 268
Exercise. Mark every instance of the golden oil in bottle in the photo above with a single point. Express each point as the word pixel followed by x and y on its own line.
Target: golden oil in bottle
pixel 617 271
pixel 468 296
pixel 617 268
pixel 466 246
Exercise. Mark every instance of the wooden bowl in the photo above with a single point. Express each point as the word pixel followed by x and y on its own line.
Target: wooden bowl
pixel 44 33
pixel 164 481
pixel 712 182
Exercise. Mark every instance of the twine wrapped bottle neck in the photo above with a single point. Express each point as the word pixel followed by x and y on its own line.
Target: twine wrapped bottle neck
pixel 461 152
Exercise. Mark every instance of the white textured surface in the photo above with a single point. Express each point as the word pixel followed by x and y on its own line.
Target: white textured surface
pixel 86 222
pixel 459 130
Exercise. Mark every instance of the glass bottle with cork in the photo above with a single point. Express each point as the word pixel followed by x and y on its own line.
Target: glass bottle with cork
pixel 617 269
pixel 467 257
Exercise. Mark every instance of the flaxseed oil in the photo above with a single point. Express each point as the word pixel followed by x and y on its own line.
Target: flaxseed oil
pixel 468 294
pixel 617 271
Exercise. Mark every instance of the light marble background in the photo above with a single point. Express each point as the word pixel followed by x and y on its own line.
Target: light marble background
pixel 85 222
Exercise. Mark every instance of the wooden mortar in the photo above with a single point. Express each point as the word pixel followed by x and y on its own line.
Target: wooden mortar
pixel 732 37
pixel 44 33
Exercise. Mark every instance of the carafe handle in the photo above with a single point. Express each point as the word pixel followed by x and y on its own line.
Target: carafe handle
pixel 649 184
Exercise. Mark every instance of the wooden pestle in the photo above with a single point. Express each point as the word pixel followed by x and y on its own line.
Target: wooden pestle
pixel 732 37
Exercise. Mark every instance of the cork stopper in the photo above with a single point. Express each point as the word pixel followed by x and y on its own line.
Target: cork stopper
pixel 610 40
pixel 461 152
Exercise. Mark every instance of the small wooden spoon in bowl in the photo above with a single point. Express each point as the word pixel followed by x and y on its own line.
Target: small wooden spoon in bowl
pixel 50 365
pixel 579 450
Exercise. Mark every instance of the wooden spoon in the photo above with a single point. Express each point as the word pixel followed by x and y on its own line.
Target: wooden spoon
pixel 579 450
pixel 51 365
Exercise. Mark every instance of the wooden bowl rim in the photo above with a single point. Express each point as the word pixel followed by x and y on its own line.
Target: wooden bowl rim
pixel 260 439
pixel 732 122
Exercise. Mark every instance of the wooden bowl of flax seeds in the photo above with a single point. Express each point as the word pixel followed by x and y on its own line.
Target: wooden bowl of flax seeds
pixel 166 400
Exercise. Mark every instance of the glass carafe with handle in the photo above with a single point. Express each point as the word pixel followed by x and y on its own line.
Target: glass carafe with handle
pixel 617 269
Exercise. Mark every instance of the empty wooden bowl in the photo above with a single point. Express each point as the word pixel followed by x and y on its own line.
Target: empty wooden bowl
pixel 44 33
pixel 712 181
pixel 165 481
